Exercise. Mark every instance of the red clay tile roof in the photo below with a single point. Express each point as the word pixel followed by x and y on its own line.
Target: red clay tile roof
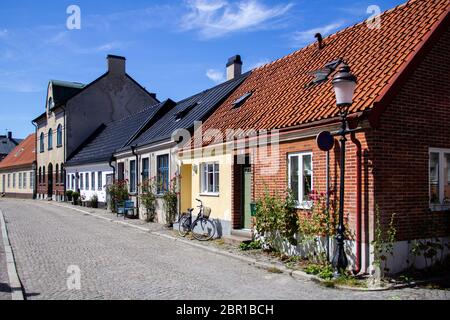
pixel 376 56
pixel 24 154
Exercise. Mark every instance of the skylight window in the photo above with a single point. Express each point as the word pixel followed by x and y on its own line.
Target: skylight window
pixel 239 102
pixel 181 114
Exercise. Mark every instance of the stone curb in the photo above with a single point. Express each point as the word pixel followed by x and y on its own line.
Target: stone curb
pixel 296 274
pixel 14 280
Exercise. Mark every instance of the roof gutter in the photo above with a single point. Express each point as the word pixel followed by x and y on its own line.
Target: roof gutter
pixel 390 91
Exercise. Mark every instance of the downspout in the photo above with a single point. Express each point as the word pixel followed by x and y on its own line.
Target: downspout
pixel 64 153
pixel 113 167
pixel 35 186
pixel 328 202
pixel 133 150
pixel 358 200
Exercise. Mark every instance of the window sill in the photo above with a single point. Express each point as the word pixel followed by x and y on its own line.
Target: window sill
pixel 59 146
pixel 439 207
pixel 209 194
pixel 49 149
pixel 304 206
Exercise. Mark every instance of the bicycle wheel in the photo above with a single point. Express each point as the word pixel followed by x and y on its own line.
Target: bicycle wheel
pixel 184 226
pixel 203 229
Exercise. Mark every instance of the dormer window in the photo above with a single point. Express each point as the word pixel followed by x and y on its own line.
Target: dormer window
pixel 181 114
pixel 239 102
pixel 51 103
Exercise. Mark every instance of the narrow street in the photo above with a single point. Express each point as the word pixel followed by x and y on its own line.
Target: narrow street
pixel 118 262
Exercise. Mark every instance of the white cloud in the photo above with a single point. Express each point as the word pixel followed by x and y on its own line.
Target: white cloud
pixel 215 75
pixel 260 63
pixel 217 18
pixel 301 38
pixel 3 33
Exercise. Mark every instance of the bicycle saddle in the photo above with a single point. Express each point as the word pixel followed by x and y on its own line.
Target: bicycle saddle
pixel 190 210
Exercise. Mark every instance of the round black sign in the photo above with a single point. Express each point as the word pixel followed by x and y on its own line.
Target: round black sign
pixel 325 141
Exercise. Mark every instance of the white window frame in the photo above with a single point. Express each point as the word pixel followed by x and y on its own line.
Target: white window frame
pixel 442 179
pixel 302 203
pixel 99 181
pixel 204 179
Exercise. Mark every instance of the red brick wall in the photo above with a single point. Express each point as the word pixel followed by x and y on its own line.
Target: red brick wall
pixel 395 156
pixel 418 118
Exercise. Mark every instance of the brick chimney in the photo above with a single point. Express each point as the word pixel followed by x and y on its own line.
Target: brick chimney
pixel 234 67
pixel 116 65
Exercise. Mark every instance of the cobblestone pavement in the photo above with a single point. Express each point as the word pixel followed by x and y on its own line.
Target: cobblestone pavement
pixel 118 262
pixel 5 291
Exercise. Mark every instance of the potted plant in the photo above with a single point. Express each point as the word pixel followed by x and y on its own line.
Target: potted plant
pixel 75 197
pixel 148 198
pixel 69 195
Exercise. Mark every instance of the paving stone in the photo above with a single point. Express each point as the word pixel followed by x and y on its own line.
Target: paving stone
pixel 126 263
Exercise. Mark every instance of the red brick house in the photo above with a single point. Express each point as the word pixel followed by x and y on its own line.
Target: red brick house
pixel 398 161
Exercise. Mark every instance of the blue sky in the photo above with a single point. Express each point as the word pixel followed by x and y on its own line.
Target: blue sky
pixel 173 48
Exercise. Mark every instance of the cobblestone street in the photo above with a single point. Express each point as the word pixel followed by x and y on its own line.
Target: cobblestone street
pixel 118 262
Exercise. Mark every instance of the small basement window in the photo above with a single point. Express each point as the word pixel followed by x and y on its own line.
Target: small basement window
pixel 239 102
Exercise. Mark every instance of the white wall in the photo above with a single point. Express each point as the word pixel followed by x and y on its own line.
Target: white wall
pixel 100 191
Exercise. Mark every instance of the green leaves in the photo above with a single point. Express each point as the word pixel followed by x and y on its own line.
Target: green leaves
pixel 277 217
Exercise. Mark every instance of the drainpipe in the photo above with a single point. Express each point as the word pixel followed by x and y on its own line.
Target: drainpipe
pixel 36 182
pixel 133 150
pixel 328 201
pixel 358 201
pixel 64 153
pixel 113 167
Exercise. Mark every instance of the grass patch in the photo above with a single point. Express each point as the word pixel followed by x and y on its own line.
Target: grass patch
pixel 250 245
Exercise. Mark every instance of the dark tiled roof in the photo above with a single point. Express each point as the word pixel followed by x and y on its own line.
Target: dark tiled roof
pixel 7 145
pixel 282 97
pixel 110 137
pixel 195 108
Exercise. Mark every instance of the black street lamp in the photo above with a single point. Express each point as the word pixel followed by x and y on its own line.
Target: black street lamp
pixel 344 83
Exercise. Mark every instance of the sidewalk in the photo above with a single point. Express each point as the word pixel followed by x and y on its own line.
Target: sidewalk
pixel 5 291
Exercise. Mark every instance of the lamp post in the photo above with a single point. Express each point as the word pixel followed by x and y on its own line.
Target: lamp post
pixel 344 83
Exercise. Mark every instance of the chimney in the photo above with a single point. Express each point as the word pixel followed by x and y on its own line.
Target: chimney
pixel 9 135
pixel 234 67
pixel 116 65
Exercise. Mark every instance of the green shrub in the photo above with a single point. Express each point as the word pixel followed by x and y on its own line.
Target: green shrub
pixel 94 201
pixel 277 217
pixel 118 193
pixel 69 194
pixel 75 197
pixel 148 198
pixel 250 245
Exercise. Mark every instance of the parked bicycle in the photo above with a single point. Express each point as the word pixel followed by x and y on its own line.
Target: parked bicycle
pixel 202 228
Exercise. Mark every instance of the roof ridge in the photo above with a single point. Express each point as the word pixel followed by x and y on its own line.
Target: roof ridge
pixel 215 87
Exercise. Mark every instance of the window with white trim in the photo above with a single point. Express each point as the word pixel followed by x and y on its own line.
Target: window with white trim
pixel 210 178
pixel 300 178
pixel 92 181
pixel 439 182
pixel 99 181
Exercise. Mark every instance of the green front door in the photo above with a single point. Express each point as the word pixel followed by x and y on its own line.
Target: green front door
pixel 247 197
